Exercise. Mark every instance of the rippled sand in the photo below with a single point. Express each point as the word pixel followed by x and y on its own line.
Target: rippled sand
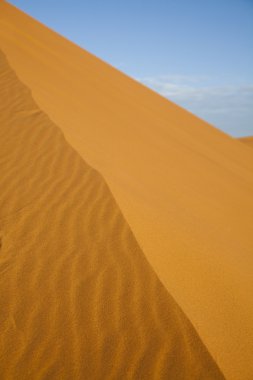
pixel 184 188
pixel 78 298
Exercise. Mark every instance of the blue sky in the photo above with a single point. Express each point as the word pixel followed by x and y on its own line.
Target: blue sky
pixel 198 53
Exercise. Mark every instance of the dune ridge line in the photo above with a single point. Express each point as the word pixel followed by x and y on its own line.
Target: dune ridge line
pixel 78 298
pixel 184 187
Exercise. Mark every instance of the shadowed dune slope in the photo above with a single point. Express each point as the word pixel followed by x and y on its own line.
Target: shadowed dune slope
pixel 247 140
pixel 78 298
pixel 184 187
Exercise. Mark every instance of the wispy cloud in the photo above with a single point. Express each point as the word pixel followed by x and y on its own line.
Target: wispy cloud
pixel 229 107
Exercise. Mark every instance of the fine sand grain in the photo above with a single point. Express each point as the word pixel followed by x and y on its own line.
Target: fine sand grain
pixel 78 298
pixel 184 187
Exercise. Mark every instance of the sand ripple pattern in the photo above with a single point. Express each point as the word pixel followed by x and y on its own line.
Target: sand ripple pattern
pixel 78 298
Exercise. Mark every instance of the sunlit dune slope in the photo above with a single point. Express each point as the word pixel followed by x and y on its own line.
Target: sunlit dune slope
pixel 184 187
pixel 78 298
pixel 247 140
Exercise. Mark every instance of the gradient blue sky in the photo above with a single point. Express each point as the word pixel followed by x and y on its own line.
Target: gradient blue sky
pixel 198 53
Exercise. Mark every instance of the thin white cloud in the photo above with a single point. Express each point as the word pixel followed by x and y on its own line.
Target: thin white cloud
pixel 223 106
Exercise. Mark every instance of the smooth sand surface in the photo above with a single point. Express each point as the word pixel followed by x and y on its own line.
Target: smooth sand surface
pixel 247 140
pixel 78 297
pixel 184 187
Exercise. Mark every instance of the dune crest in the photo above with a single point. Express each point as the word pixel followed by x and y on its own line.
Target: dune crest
pixel 184 187
pixel 78 298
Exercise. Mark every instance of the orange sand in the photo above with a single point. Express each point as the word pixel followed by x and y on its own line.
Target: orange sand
pixel 184 187
pixel 78 298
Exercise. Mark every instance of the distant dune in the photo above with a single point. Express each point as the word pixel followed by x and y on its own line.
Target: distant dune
pixel 185 190
pixel 247 140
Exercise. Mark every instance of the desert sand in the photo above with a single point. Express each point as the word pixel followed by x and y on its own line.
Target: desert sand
pixel 78 297
pixel 185 191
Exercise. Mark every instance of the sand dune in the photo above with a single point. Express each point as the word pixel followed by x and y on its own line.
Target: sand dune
pixel 184 187
pixel 247 140
pixel 78 298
